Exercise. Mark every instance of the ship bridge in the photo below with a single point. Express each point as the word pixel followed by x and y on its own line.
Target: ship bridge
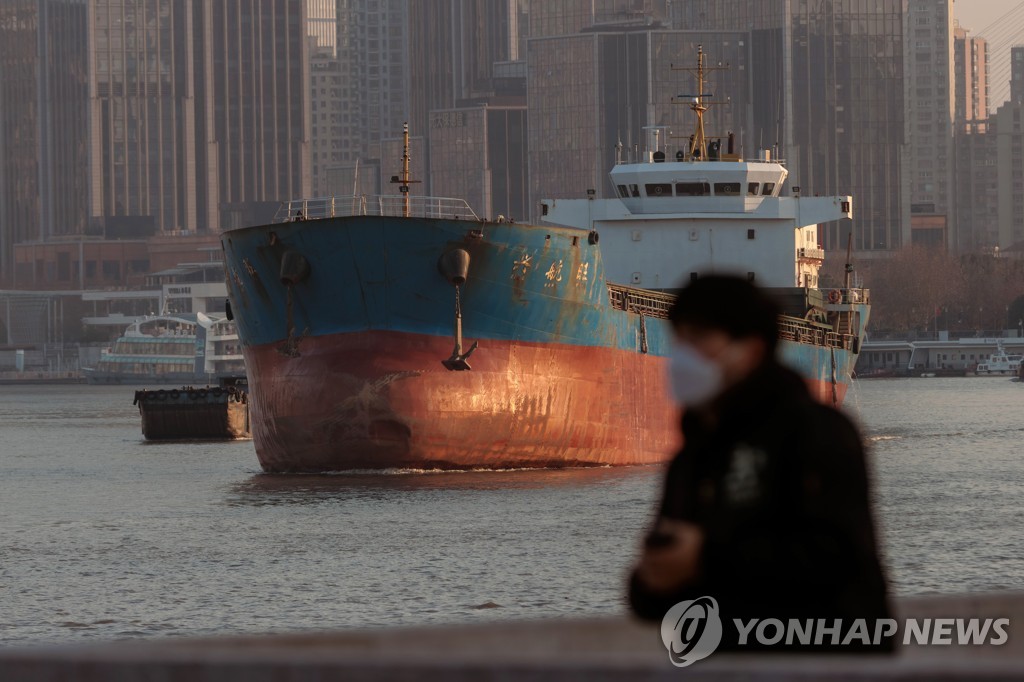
pixel 697 186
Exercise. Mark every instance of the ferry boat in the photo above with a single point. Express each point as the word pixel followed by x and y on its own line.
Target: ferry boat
pixel 167 349
pixel 407 332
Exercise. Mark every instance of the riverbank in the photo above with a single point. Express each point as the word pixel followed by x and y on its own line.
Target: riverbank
pixel 41 378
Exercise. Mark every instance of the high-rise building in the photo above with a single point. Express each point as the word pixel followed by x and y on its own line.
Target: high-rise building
pixel 455 47
pixel 592 96
pixel 930 84
pixel 373 67
pixel 326 83
pixel 255 78
pixel 977 188
pixel 43 123
pixel 1017 73
pixel 322 24
pixel 1007 127
pixel 828 88
pixel 479 154
pixel 199 112
pixel 970 60
pixel 975 176
pixel 121 120
pixel 143 142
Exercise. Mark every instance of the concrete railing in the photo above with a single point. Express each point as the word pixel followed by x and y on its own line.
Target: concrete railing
pixel 591 650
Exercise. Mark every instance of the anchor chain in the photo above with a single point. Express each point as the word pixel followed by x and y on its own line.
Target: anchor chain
pixel 458 360
pixel 290 348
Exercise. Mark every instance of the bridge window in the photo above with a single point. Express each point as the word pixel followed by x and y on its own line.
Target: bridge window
pixel 753 188
pixel 692 189
pixel 623 191
pixel 769 188
pixel 659 189
pixel 634 190
pixel 727 189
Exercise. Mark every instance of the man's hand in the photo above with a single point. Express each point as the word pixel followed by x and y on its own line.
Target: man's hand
pixel 675 564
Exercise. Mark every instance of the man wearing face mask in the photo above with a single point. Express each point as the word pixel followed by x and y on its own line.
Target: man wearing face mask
pixel 766 508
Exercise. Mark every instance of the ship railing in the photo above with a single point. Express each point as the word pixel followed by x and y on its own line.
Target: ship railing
pixel 640 301
pixel 374 205
pixel 799 331
pixel 637 156
pixel 849 296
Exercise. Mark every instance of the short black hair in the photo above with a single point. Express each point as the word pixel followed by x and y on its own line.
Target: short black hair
pixel 730 304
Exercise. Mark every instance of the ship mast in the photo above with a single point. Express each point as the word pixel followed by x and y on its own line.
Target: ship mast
pixel 699 103
pixel 403 181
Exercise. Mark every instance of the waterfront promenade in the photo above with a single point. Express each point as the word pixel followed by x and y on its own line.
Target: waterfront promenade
pixel 592 650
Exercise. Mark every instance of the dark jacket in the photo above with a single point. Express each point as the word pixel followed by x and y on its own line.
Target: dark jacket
pixel 778 484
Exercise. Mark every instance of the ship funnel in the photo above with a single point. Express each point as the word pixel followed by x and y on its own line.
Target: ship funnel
pixel 454 265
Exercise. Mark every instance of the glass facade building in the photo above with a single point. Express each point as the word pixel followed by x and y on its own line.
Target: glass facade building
pixel 43 123
pixel 199 112
pixel 256 82
pixel 143 137
pixel 828 87
pixel 591 92
pixel 479 154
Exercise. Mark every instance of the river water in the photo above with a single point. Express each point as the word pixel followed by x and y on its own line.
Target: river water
pixel 105 536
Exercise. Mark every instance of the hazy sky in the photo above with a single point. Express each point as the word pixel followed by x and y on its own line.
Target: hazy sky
pixel 977 14
pixel 980 17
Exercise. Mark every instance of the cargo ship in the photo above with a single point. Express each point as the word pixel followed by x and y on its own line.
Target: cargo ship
pixel 407 332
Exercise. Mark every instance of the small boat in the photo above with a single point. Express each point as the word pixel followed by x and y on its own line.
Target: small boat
pixel 190 412
pixel 1000 364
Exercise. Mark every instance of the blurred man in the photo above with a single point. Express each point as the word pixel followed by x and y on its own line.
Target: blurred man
pixel 766 508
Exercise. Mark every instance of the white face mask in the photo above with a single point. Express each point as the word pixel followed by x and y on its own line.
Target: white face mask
pixel 695 380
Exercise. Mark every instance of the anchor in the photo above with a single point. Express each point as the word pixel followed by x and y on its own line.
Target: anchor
pixel 458 360
pixel 454 266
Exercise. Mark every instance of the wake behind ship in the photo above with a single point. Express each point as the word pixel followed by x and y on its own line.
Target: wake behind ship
pixel 406 332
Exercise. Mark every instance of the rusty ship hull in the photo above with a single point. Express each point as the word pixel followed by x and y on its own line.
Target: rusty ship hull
pixel 346 323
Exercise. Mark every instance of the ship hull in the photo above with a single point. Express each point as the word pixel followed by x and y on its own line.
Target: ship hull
pixel 344 357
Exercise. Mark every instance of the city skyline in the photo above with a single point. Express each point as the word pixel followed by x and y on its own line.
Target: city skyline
pixel 180 123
